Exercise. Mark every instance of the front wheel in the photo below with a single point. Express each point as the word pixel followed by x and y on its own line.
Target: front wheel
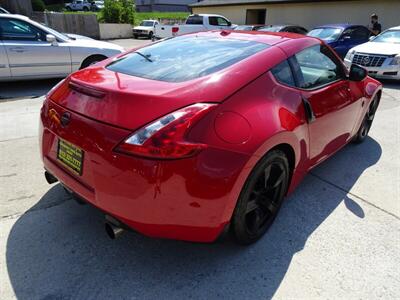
pixel 92 60
pixel 367 122
pixel 150 36
pixel 261 198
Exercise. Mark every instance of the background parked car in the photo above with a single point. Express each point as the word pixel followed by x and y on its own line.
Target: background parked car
pixel 97 5
pixel 380 56
pixel 284 28
pixel 342 37
pixel 248 27
pixel 78 5
pixel 194 23
pixel 145 28
pixel 29 50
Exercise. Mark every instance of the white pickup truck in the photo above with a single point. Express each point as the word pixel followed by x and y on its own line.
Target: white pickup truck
pixel 194 23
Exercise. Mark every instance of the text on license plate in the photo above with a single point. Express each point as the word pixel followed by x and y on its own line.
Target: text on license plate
pixel 70 156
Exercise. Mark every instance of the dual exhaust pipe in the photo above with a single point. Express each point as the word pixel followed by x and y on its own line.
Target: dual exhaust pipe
pixel 112 226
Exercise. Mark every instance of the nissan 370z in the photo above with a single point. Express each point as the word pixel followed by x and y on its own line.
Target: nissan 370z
pixel 205 133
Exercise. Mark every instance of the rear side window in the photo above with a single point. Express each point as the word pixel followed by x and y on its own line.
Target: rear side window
pixel 194 20
pixel 283 73
pixel 185 58
pixel 357 33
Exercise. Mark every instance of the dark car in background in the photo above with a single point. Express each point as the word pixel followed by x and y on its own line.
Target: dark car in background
pixel 284 28
pixel 342 37
pixel 248 27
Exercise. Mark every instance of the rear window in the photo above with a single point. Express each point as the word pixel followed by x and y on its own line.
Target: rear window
pixel 185 58
pixel 194 20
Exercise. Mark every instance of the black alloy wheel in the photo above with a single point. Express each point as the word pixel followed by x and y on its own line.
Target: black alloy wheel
pixel 367 122
pixel 261 198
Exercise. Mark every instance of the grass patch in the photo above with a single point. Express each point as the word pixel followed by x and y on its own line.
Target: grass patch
pixel 139 17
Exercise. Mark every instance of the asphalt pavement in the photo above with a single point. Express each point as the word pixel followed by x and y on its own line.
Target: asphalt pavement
pixel 337 236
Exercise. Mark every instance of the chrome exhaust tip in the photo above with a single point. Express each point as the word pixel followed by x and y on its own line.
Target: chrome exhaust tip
pixel 50 178
pixel 113 231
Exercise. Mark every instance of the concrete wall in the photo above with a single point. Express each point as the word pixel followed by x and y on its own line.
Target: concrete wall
pixel 83 24
pixel 23 7
pixel 310 15
pixel 115 31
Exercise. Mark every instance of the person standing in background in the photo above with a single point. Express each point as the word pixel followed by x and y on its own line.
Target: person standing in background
pixel 375 27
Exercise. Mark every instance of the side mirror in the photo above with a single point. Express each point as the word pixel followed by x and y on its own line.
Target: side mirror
pixel 346 38
pixel 51 39
pixel 357 73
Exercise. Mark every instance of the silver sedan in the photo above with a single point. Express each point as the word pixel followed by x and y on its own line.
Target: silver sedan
pixel 29 50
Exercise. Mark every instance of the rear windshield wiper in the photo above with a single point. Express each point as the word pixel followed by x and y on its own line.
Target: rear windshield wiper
pixel 144 55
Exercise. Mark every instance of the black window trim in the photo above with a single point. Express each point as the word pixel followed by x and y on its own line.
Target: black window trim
pixel 294 65
pixel 291 71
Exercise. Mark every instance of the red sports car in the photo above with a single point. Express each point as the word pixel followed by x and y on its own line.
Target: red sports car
pixel 193 135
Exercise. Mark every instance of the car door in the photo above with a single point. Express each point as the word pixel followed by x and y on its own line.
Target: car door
pixel 4 69
pixel 76 5
pixel 331 107
pixel 358 35
pixel 350 38
pixel 28 52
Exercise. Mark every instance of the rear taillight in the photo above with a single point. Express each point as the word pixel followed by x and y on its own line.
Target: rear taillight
pixel 175 30
pixel 165 137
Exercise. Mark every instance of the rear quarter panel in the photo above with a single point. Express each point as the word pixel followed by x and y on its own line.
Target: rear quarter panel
pixel 273 114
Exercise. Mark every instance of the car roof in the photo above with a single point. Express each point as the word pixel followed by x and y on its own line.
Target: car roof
pixel 339 25
pixel 270 38
pixel 206 15
pixel 19 17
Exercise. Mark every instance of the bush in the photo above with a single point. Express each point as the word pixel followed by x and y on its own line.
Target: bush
pixel 38 5
pixel 118 11
pixel 128 12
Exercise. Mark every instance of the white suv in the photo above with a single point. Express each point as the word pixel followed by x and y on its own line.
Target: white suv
pixel 380 56
pixel 78 5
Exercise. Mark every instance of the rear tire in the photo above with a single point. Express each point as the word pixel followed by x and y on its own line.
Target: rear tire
pixel 367 122
pixel 91 60
pixel 261 198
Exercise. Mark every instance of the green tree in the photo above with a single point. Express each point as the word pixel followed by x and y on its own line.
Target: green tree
pixel 128 11
pixel 118 11
pixel 38 5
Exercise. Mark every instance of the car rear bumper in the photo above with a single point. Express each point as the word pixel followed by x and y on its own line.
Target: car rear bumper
pixel 190 199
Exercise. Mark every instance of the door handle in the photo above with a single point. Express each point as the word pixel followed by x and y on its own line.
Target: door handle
pixel 309 111
pixel 17 49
